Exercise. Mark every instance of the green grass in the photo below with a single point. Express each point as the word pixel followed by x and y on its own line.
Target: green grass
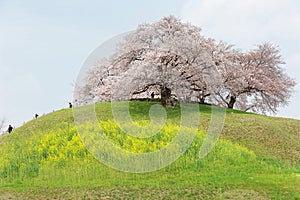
pixel 256 157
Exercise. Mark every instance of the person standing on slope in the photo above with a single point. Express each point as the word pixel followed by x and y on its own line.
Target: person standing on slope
pixel 10 128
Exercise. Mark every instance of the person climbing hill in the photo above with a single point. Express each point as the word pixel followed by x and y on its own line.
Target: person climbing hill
pixel 10 128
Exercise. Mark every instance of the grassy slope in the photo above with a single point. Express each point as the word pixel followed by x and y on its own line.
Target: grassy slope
pixel 257 158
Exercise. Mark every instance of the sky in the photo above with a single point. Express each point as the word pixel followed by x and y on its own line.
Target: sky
pixel 43 44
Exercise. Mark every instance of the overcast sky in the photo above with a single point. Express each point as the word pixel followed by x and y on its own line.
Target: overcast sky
pixel 44 43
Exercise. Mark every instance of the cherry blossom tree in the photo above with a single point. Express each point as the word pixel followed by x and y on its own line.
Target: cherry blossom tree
pixel 175 52
pixel 173 60
pixel 252 81
pixel 97 84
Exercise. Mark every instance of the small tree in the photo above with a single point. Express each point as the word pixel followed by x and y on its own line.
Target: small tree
pixel 253 81
pixel 2 124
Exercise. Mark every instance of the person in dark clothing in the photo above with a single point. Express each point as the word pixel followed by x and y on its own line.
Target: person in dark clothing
pixel 36 115
pixel 152 95
pixel 10 128
pixel 70 105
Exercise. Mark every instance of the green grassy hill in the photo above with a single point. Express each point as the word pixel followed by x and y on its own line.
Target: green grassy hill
pixel 257 157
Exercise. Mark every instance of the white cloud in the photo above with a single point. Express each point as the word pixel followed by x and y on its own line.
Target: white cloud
pixel 245 22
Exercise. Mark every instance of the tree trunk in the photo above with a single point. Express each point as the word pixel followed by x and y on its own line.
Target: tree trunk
pixel 202 100
pixel 165 96
pixel 231 102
